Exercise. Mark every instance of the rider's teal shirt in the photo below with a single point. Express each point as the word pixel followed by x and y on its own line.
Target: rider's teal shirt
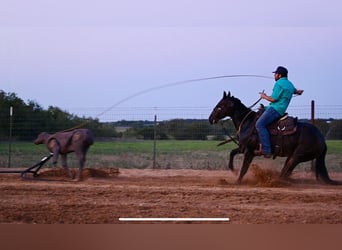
pixel 282 94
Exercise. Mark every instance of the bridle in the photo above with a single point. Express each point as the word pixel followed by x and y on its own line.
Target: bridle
pixel 231 138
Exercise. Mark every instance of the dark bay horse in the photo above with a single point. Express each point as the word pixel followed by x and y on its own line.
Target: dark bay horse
pixel 306 144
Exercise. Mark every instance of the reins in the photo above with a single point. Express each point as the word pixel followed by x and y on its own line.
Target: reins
pixel 250 111
pixel 231 138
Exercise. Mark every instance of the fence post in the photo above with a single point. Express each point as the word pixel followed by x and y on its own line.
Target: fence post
pixel 313 112
pixel 10 137
pixel 313 167
pixel 154 141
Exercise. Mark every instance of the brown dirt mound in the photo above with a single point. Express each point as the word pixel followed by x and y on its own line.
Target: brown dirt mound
pixel 87 173
pixel 267 177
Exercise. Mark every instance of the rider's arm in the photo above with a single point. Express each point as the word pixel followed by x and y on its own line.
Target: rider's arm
pixel 298 91
pixel 266 97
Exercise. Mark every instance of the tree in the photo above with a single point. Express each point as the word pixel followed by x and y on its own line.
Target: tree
pixel 30 119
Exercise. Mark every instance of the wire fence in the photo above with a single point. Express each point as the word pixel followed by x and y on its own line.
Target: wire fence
pixel 135 152
pixel 168 113
pixel 328 118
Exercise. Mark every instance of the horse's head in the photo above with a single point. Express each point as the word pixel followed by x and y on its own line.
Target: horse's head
pixel 224 108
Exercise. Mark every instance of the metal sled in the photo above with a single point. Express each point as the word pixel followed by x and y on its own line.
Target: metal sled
pixel 31 170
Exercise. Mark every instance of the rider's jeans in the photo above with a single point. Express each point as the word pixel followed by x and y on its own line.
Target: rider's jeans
pixel 269 115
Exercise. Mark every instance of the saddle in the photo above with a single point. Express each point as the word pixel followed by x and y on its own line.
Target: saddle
pixel 285 125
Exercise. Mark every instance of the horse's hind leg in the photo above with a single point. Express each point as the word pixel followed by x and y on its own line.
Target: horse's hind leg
pixel 290 163
pixel 284 173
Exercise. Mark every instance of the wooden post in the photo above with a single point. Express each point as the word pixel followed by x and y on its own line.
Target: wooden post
pixel 313 112
pixel 313 167
pixel 154 141
pixel 10 137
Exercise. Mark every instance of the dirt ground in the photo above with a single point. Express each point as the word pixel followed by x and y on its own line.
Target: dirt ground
pixel 105 195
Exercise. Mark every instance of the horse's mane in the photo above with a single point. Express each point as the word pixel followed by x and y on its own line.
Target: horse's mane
pixel 238 102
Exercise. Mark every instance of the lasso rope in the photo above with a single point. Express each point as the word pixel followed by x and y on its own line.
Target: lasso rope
pixel 167 85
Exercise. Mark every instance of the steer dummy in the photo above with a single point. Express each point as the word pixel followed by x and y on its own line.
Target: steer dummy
pixel 62 143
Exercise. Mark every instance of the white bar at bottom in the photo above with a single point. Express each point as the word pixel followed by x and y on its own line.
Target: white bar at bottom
pixel 173 219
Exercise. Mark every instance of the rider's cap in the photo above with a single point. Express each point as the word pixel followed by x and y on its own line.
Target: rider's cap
pixel 281 70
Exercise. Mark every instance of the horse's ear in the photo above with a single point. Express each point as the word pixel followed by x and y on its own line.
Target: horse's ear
pixel 225 94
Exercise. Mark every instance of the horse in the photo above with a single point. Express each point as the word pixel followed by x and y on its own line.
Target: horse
pixel 306 143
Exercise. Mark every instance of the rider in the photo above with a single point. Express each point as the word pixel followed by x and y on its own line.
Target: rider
pixel 279 101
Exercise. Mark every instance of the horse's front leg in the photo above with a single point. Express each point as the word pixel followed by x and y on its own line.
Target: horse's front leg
pixel 248 157
pixel 232 154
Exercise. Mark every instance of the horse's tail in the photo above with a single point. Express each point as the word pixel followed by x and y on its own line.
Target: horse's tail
pixel 321 169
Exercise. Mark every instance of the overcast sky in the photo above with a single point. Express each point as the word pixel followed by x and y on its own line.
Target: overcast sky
pixel 86 54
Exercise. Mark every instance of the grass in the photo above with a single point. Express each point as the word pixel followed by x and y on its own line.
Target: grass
pixel 334 147
pixel 139 154
pixel 166 146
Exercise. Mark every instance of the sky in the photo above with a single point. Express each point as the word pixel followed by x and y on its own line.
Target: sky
pixel 81 54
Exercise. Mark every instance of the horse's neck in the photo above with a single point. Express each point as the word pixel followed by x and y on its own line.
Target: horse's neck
pixel 242 116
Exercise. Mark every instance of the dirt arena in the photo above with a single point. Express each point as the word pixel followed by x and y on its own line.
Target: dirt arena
pixel 105 195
